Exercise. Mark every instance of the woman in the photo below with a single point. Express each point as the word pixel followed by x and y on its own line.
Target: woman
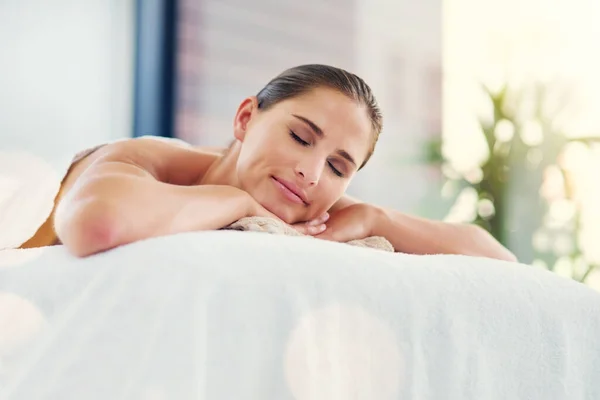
pixel 297 146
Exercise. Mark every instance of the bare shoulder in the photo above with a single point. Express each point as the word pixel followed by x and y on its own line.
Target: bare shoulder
pixel 166 160
pixel 343 202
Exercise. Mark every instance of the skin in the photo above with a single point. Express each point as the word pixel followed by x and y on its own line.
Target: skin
pixel 315 141
pixel 141 188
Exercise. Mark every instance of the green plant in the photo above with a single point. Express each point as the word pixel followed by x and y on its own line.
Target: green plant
pixel 524 141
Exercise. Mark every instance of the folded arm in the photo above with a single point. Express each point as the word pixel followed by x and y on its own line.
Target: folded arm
pixel 410 234
pixel 124 196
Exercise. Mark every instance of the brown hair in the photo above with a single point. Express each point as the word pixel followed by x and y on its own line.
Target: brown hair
pixel 298 80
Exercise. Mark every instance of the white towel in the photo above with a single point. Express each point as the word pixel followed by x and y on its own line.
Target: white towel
pixel 28 186
pixel 270 225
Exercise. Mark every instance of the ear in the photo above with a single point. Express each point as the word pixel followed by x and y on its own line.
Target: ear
pixel 244 114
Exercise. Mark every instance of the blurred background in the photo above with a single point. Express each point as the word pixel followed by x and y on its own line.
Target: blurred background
pixel 491 108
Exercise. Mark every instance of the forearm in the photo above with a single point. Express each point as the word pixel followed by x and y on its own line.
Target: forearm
pixel 118 209
pixel 409 234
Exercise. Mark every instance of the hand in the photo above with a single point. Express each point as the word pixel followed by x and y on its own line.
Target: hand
pixel 357 221
pixel 312 227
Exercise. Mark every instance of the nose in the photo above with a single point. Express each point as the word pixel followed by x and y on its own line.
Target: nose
pixel 309 171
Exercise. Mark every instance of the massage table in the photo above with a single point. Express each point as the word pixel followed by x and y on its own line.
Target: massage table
pixel 247 315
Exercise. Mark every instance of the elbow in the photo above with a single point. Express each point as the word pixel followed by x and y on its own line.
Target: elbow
pixel 488 246
pixel 86 228
pixel 509 256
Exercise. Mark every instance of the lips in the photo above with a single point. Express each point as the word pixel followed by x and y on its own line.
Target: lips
pixel 291 191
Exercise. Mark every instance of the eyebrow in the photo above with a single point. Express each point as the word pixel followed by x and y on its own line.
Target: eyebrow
pixel 319 132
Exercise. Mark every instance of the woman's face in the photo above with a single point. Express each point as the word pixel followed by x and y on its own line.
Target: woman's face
pixel 298 157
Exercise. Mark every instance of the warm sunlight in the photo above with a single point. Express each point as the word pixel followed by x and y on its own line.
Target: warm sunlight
pixel 512 41
pixel 520 43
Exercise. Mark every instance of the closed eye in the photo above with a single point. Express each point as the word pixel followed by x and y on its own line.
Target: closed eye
pixel 298 139
pixel 306 144
pixel 334 169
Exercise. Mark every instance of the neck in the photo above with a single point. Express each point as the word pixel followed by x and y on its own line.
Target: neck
pixel 224 170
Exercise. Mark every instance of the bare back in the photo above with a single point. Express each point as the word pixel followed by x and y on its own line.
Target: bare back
pixel 168 162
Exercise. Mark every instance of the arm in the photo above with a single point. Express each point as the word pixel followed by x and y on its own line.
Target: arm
pixel 410 234
pixel 415 235
pixel 118 199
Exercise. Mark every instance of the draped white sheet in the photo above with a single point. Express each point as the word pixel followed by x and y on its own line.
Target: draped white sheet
pixel 244 315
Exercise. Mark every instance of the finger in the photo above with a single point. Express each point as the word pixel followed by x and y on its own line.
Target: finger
pixel 336 233
pixel 317 229
pixel 320 220
pixel 310 229
pixel 330 233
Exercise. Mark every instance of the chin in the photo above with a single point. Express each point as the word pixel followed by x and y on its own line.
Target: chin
pixel 282 212
pixel 273 202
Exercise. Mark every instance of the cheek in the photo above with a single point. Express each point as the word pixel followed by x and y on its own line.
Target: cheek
pixel 251 156
pixel 328 194
pixel 267 151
